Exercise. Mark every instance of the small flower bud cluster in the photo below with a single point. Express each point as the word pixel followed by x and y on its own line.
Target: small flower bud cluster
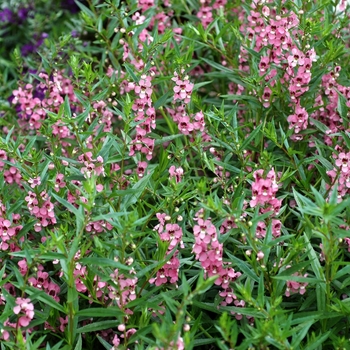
pixel 347 242
pixel 117 339
pixel 180 345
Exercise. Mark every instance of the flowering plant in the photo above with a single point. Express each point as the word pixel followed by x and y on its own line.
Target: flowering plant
pixel 175 175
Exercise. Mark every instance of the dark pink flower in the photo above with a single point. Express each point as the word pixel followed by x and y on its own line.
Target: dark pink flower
pixel 176 172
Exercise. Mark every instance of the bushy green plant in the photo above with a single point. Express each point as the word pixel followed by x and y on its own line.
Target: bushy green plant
pixel 176 175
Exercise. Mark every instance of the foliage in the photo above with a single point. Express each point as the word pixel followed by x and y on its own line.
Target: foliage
pixel 174 175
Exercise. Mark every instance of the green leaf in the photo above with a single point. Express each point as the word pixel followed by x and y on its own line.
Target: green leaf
pixel 85 9
pixel 160 141
pixel 253 135
pixel 344 271
pixel 342 108
pixel 100 312
pixel 66 106
pixel 79 344
pixel 104 262
pixel 244 311
pixel 45 298
pixel 315 343
pixel 162 100
pixel 104 343
pixel 130 69
pixel 261 291
pixel 320 126
pixel 217 66
pixel 243 266
pixel 79 213
pixel 315 263
pixel 140 186
pixel 98 326
pixel 298 279
pixel 229 167
pixel 298 337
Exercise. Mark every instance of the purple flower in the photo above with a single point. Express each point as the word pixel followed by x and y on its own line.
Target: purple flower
pixel 6 15
pixel 70 5
pixel 22 14
pixel 74 33
pixel 27 49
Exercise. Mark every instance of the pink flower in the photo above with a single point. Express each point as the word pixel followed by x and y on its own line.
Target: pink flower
pixel 185 126
pixel 296 287
pixel 59 183
pixel 343 162
pixel 260 255
pixel 24 306
pixel 296 58
pixel 141 168
pixel 161 219
pixel 34 182
pixel 176 172
pixel 144 88
pixel 264 190
pixel 276 228
pixel 299 120
pixel 183 88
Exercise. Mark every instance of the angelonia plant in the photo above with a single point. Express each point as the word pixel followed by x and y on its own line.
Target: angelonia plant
pixel 175 174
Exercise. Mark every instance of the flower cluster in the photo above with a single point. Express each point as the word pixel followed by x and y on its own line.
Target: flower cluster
pixel 296 287
pixel 209 252
pixel 11 173
pixel 42 208
pixel 145 117
pixel 25 309
pixel 176 173
pixel 208 9
pixel 187 124
pixel 341 174
pixel 9 231
pixel 91 166
pixel 99 226
pixel 264 189
pixel 33 101
pixel 123 289
pixel 171 233
pixel 275 35
pixel 42 281
pixel 183 88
